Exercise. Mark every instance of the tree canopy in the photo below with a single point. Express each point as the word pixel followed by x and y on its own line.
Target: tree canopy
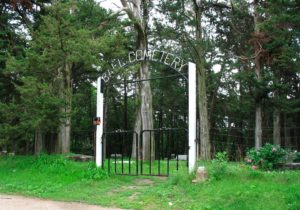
pixel 246 52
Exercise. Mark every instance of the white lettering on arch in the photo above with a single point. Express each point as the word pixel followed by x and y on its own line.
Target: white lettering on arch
pixel 168 59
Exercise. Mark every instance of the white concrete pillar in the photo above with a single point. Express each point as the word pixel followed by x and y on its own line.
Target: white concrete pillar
pixel 99 128
pixel 192 116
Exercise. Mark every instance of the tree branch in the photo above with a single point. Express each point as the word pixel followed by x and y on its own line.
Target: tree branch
pixel 136 21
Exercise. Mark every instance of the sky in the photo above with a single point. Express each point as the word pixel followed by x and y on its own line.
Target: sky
pixel 110 4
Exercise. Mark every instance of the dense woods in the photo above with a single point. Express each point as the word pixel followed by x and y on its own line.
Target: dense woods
pixel 246 51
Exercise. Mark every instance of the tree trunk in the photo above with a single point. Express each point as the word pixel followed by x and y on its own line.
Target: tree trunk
pixel 258 126
pixel 144 118
pixel 137 129
pixel 276 127
pixel 146 113
pixel 63 143
pixel 240 143
pixel 198 138
pixel 64 135
pixel 205 145
pixel 137 11
pixel 257 63
pixel 39 143
pixel 297 133
pixel 287 133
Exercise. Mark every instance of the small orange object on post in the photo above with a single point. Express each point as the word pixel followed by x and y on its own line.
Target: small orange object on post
pixel 97 121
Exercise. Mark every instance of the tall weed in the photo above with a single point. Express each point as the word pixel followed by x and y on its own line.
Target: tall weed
pixel 219 166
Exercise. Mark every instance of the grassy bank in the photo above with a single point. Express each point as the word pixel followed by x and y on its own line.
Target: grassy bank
pixel 237 187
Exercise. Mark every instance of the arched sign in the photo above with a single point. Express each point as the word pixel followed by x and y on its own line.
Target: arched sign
pixel 162 57
pixel 169 59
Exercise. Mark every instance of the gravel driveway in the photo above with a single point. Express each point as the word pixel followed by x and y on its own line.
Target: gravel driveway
pixel 11 202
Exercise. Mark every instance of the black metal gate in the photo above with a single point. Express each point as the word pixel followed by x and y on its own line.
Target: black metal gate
pixel 117 152
pixel 158 152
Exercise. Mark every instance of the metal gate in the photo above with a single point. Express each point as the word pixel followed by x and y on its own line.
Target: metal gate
pixel 117 152
pixel 158 152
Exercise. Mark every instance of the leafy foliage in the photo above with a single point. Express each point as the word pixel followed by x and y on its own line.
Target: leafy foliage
pixel 267 157
pixel 297 157
pixel 219 166
pixel 35 43
pixel 65 33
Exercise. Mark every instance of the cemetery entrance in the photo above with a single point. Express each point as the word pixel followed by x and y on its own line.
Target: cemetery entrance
pixel 122 146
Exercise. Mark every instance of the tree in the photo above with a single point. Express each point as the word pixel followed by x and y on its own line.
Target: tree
pixel 258 69
pixel 205 145
pixel 280 25
pixel 12 43
pixel 66 45
pixel 57 46
pixel 137 12
pixel 65 42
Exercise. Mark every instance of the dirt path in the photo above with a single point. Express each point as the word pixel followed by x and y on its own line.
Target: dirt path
pixel 11 202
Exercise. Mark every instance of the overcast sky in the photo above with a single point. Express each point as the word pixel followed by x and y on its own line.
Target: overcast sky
pixel 110 4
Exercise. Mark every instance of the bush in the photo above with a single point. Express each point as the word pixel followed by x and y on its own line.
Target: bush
pixel 267 157
pixel 292 156
pixel 219 165
pixel 297 157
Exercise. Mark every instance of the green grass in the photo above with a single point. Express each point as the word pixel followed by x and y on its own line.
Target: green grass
pixel 155 168
pixel 238 187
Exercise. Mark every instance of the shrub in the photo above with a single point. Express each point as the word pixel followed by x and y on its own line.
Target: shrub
pixel 292 156
pixel 267 157
pixel 297 157
pixel 219 165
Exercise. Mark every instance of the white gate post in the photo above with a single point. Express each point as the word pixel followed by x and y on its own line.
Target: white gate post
pixel 192 116
pixel 99 131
